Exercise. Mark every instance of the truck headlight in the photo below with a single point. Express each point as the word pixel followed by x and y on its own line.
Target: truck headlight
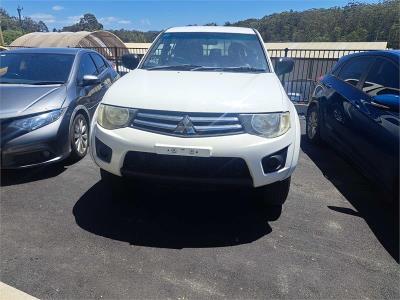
pixel 113 117
pixel 267 125
pixel 37 121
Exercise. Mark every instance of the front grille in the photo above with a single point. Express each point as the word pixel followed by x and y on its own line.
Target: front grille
pixel 187 124
pixel 185 166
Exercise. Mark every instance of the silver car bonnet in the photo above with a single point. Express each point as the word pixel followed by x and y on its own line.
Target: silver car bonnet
pixel 18 100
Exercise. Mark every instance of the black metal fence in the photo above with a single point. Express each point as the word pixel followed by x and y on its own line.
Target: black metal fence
pixel 310 65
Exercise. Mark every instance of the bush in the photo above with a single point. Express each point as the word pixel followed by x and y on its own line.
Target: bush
pixel 11 35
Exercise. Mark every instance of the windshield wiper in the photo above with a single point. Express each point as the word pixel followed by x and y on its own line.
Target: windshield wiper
pixel 46 82
pixel 177 67
pixel 204 68
pixel 243 69
pixel 229 69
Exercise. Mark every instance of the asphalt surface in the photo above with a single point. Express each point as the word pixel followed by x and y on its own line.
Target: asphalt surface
pixel 64 236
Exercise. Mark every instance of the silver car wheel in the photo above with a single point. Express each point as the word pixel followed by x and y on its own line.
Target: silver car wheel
pixel 80 135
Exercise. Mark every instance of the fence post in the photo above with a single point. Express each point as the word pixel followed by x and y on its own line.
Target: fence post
pixel 283 75
pixel 116 59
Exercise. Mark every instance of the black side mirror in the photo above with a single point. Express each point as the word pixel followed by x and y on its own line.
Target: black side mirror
pixel 387 101
pixel 284 65
pixel 90 80
pixel 130 61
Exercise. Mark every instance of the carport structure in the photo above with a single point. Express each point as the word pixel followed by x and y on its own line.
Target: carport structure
pixel 103 41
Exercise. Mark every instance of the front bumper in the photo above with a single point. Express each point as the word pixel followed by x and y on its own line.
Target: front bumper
pixel 249 148
pixel 42 146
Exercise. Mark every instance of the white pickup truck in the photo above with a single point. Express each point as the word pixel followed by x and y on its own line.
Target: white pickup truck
pixel 203 105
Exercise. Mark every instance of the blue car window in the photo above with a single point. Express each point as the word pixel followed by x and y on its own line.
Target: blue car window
pixel 354 69
pixel 382 78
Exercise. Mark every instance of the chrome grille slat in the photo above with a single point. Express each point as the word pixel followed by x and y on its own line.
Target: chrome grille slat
pixel 154 124
pixel 178 123
pixel 217 127
pixel 159 117
pixel 215 119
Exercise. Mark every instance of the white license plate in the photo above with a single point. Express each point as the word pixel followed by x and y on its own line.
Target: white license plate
pixel 185 151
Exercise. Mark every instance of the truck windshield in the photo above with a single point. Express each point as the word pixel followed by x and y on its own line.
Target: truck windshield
pixel 35 68
pixel 205 51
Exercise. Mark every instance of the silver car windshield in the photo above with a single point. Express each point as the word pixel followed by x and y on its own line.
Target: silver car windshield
pixel 35 68
pixel 205 51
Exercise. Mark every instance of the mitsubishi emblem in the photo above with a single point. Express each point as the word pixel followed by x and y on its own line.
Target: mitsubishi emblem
pixel 185 126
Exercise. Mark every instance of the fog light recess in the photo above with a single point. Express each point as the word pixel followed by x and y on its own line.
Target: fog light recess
pixel 103 151
pixel 275 161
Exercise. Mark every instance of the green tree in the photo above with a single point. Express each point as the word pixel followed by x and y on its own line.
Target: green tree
pixel 354 22
pixel 12 28
pixel 42 27
pixel 87 23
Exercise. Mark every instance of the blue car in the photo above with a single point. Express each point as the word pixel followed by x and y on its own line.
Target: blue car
pixel 355 109
pixel 47 99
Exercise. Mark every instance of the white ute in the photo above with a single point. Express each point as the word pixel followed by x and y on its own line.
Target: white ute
pixel 203 105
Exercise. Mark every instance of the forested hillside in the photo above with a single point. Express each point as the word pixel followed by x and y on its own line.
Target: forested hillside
pixel 355 22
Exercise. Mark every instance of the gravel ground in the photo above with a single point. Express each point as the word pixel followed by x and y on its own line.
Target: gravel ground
pixel 62 236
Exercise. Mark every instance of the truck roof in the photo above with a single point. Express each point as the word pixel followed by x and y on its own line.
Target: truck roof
pixel 219 29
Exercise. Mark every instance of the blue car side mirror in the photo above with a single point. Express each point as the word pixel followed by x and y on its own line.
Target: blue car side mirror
pixel 388 101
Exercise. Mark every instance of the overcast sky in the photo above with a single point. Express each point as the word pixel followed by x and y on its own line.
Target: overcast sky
pixel 156 15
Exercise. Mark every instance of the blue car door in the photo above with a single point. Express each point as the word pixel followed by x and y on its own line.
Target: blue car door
pixel 377 125
pixel 343 94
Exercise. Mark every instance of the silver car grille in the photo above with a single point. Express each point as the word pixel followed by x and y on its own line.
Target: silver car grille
pixel 187 124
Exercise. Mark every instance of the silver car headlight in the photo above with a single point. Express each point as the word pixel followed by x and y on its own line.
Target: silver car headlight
pixel 113 117
pixel 266 125
pixel 37 121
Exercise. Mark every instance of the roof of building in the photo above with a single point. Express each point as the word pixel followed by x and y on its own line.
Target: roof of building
pixel 305 46
pixel 297 50
pixel 221 29
pixel 329 46
pixel 138 45
pixel 69 39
